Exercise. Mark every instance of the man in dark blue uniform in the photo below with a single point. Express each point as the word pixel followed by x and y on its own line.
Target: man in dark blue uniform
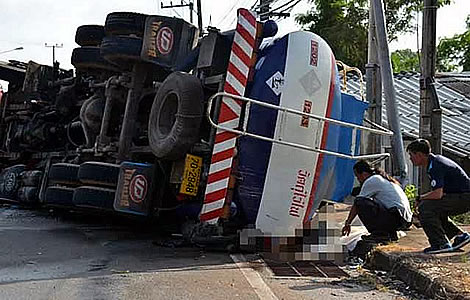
pixel 450 195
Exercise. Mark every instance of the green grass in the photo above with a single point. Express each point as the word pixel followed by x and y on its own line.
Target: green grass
pixel 463 219
pixel 411 192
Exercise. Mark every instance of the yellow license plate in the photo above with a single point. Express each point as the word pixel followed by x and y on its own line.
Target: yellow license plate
pixel 191 175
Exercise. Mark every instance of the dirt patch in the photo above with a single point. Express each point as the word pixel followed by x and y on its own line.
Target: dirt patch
pixel 443 276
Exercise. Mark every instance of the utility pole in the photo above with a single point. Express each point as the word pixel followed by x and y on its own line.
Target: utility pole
pixel 199 17
pixel 430 117
pixel 373 85
pixel 398 151
pixel 55 68
pixel 191 10
pixel 264 9
pixel 190 5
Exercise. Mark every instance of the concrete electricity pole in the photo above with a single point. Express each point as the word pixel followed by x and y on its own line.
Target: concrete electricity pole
pixel 190 5
pixel 191 10
pixel 199 17
pixel 53 59
pixel 398 152
pixel 373 85
pixel 430 118
pixel 264 9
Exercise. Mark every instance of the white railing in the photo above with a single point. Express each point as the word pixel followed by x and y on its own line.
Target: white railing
pixel 284 110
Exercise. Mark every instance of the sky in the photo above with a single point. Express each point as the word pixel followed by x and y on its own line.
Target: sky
pixel 32 24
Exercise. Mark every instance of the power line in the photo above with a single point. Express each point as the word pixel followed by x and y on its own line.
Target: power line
pixel 228 13
pixel 254 4
pixel 191 6
pixel 174 10
pixel 235 17
pixel 273 12
pixel 292 6
pixel 267 3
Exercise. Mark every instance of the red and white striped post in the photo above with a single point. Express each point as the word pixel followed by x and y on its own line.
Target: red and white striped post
pixel 236 79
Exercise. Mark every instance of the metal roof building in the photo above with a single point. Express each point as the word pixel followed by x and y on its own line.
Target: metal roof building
pixel 454 103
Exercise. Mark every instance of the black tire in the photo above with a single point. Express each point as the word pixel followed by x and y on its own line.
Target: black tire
pixel 28 195
pixel 121 50
pixel 125 23
pixel 176 115
pixel 31 178
pixel 89 58
pixel 64 174
pixel 99 173
pixel 59 196
pixel 94 197
pixel 10 180
pixel 89 35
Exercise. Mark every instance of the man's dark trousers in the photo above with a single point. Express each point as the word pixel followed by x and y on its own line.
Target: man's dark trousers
pixel 434 217
pixel 376 218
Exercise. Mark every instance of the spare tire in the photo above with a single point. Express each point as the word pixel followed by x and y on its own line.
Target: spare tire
pixel 99 173
pixel 125 23
pixel 176 115
pixel 10 182
pixel 121 50
pixel 59 196
pixel 89 58
pixel 64 174
pixel 94 197
pixel 89 35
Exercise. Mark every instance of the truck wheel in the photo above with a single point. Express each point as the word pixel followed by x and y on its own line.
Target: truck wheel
pixel 89 35
pixel 125 23
pixel 28 195
pixel 94 197
pixel 31 178
pixel 176 116
pixel 99 173
pixel 121 50
pixel 64 174
pixel 59 196
pixel 89 58
pixel 10 182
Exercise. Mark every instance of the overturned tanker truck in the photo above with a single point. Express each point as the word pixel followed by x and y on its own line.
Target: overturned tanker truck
pixel 228 131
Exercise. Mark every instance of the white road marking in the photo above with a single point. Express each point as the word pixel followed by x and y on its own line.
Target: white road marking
pixel 254 278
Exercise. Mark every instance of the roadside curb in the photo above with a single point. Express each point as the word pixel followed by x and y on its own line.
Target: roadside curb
pixel 407 271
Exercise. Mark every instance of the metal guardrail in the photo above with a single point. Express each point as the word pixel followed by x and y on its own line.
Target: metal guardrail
pixel 284 110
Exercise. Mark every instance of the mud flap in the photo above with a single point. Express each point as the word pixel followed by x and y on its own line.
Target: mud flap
pixel 134 194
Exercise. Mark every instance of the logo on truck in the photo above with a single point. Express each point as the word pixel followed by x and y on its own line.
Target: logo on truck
pixel 307 109
pixel 276 83
pixel 299 194
pixel 165 40
pixel 152 42
pixel 314 53
pixel 138 188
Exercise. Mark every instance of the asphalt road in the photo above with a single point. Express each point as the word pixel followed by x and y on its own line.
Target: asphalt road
pixel 75 258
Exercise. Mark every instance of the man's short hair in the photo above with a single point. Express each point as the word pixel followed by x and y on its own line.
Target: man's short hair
pixel 419 145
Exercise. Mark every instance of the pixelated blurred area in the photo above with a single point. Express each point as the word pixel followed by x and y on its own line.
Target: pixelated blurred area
pixel 318 240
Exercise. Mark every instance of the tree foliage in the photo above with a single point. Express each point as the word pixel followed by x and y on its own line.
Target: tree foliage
pixel 344 24
pixel 405 60
pixel 454 52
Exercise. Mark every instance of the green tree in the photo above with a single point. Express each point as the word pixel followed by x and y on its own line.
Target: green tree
pixel 454 52
pixel 344 24
pixel 405 60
